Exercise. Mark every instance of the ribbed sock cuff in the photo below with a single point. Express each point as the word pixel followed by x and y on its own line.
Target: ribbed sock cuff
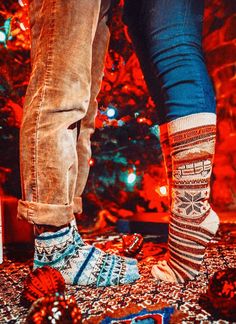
pixel 191 121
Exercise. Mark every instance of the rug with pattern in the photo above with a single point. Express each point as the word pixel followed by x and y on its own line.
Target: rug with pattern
pixel 145 292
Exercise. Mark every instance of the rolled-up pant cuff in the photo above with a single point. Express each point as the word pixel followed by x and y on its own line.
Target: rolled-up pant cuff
pixel 77 205
pixel 45 214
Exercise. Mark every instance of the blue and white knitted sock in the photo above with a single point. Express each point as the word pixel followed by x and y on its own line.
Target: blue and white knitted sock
pixel 80 263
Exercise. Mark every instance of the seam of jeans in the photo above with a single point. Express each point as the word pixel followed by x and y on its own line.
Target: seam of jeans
pixel 186 11
pixel 201 98
pixel 42 96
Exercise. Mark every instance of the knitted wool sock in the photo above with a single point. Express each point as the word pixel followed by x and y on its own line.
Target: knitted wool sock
pixel 193 223
pixel 80 263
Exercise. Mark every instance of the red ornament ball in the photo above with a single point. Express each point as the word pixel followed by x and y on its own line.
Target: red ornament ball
pixel 43 281
pixel 132 244
pixel 220 298
pixel 56 309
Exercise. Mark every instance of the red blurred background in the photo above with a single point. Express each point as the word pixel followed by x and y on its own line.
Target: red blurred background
pixel 127 175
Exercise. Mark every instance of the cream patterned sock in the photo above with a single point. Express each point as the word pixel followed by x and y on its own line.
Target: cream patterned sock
pixel 192 223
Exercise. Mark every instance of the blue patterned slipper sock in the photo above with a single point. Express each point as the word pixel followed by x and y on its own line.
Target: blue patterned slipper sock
pixel 80 263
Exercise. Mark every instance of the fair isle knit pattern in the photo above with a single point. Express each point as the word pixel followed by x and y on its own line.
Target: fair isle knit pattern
pixel 192 223
pixel 80 263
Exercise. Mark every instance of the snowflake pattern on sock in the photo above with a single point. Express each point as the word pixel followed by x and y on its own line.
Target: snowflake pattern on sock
pixel 192 223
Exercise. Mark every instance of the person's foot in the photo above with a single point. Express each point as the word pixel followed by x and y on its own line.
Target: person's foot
pixel 187 245
pixel 192 223
pixel 80 263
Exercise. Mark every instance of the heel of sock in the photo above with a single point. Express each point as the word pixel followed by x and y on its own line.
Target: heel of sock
pixel 211 223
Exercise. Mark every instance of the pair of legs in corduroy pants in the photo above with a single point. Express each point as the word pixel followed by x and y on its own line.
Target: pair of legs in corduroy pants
pixel 69 41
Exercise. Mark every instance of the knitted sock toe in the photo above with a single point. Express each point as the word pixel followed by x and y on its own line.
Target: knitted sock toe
pixel 80 263
pixel 79 240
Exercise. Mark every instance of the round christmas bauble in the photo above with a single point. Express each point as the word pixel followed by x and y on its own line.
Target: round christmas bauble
pixel 132 244
pixel 54 309
pixel 220 298
pixel 43 281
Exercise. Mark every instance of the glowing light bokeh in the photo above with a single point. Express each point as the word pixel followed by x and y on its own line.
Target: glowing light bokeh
pixel 3 37
pixel 131 178
pixel 111 112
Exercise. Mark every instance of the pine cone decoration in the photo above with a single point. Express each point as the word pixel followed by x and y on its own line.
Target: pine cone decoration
pixel 220 298
pixel 43 281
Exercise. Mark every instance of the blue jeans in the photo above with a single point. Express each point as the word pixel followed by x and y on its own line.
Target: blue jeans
pixel 167 36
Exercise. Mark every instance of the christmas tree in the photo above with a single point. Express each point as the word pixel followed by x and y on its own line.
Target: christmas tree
pixel 127 174
pixel 126 167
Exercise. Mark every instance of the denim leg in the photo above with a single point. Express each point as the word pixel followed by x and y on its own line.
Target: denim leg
pixel 62 34
pixel 131 16
pixel 172 34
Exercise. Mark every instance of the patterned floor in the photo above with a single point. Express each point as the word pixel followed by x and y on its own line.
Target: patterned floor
pixel 145 292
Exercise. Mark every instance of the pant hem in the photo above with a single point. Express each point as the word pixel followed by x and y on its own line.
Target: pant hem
pixel 45 214
pixel 77 205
